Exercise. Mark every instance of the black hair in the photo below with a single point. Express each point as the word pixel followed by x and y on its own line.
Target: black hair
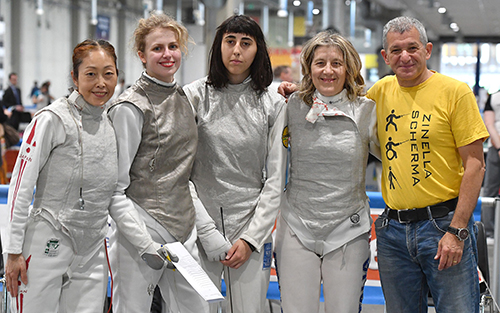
pixel 260 70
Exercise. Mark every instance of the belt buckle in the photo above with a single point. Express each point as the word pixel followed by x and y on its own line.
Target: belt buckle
pixel 399 216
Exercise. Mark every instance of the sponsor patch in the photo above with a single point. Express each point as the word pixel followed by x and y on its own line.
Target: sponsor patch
pixel 52 247
pixel 268 255
pixel 285 137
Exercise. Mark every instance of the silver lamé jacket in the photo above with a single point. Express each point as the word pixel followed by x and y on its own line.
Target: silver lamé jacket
pixel 326 203
pixel 83 156
pixel 240 160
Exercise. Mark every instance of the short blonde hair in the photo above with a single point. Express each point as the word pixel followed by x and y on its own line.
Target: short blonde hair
pixel 354 82
pixel 147 25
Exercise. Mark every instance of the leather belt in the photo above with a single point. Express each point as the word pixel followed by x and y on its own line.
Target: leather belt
pixel 421 214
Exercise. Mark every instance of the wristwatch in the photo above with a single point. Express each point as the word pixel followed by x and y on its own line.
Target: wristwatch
pixel 461 233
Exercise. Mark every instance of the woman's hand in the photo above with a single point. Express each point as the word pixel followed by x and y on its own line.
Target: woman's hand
pixel 15 267
pixel 285 89
pixel 238 254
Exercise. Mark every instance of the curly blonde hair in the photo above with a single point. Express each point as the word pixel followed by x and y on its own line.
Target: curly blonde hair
pixel 354 82
pixel 155 21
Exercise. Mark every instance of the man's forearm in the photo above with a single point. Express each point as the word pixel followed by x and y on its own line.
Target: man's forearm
pixel 471 184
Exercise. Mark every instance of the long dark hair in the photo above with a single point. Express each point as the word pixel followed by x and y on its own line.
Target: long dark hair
pixel 260 70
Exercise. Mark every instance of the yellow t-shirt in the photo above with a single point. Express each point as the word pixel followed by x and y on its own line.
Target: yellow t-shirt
pixel 420 129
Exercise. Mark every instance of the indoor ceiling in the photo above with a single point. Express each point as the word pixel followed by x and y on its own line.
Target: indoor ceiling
pixel 476 19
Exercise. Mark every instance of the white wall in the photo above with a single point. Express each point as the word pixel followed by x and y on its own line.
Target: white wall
pixel 46 48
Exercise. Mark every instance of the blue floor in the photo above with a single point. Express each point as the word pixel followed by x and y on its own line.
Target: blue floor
pixel 372 295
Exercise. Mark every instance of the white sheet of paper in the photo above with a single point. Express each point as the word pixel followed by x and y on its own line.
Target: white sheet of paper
pixel 194 274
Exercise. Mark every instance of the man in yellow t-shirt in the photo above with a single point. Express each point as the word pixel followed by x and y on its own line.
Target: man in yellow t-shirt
pixel 431 136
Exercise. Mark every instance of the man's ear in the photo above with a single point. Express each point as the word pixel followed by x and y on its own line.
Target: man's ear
pixel 385 56
pixel 428 50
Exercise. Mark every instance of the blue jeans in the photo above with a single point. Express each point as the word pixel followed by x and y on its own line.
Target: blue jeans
pixel 407 268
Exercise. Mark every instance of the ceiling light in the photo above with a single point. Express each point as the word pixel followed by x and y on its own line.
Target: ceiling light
pixel 296 3
pixel 442 10
pixel 39 7
pixel 282 13
pixel 315 11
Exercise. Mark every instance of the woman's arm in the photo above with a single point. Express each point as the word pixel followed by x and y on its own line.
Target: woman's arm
pixel 127 122
pixel 44 133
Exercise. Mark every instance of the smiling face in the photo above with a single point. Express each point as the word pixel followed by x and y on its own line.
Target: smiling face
pixel 97 77
pixel 238 52
pixel 162 55
pixel 407 56
pixel 328 71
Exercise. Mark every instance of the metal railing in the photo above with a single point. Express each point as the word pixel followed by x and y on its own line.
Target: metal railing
pixel 495 277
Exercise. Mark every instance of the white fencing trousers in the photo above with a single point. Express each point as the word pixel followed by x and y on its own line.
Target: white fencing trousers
pixel 135 281
pixel 249 283
pixel 58 279
pixel 301 271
